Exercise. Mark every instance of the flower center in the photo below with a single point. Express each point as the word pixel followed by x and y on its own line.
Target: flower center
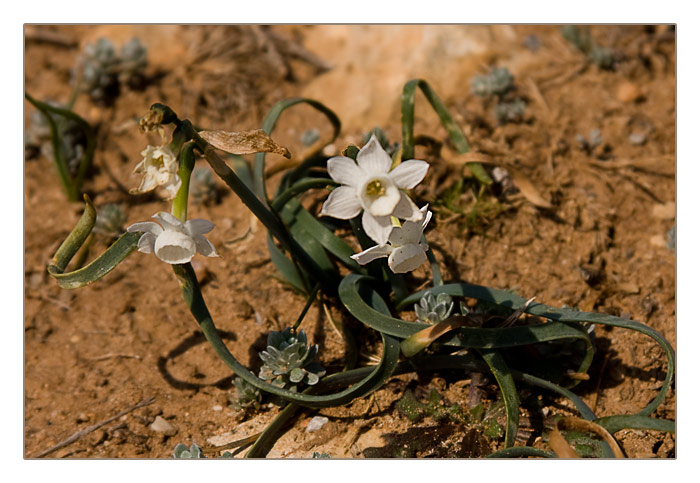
pixel 375 188
pixel 158 162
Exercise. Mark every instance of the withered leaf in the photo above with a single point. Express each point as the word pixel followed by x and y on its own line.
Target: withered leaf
pixel 246 142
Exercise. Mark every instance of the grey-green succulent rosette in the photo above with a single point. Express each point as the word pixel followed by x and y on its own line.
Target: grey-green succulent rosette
pixel 289 361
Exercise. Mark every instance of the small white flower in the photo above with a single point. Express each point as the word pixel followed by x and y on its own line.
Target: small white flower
pixel 371 185
pixel 174 242
pixel 159 168
pixel 405 250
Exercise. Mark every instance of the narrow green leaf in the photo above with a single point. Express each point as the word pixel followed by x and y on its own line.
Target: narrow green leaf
pixel 76 237
pixel 510 394
pixel 456 135
pixel 99 267
pixel 521 452
pixel 70 184
pixel 269 125
pixel 613 424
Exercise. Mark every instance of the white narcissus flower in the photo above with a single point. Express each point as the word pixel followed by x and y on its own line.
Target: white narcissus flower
pixel 159 168
pixel 405 250
pixel 174 242
pixel 371 185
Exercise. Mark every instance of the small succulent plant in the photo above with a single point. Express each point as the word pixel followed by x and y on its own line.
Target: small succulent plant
pixel 591 142
pixel 310 136
pixel 288 360
pixel 100 70
pixel 194 452
pixel 103 69
pixel 203 187
pixel 511 111
pixel 133 62
pixel 110 220
pixel 432 309
pixel 181 451
pixel 247 395
pixel 580 37
pixel 321 456
pixel 496 83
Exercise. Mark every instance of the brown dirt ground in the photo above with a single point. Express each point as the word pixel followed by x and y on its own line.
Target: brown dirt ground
pixel 93 352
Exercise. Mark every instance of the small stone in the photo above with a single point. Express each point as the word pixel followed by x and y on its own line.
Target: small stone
pixel 667 211
pixel 657 241
pixel 330 150
pixel 98 437
pixel 316 423
pixel 160 425
pixel 637 138
pixel 217 407
pixel 628 92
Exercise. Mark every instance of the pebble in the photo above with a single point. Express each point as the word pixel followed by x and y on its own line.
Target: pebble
pixel 160 425
pixel 628 92
pixel 218 408
pixel 667 211
pixel 638 138
pixel 316 423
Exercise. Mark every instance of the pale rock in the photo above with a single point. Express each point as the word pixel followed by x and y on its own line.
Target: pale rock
pixel 316 423
pixel 160 425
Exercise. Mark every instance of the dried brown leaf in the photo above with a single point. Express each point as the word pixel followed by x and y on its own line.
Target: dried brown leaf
pixel 246 142
pixel 528 189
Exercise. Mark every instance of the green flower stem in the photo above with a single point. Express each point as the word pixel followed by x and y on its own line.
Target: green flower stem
pixel 434 265
pixel 259 209
pixel 306 308
pixel 179 209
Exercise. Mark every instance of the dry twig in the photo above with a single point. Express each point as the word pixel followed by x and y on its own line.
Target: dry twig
pixel 76 436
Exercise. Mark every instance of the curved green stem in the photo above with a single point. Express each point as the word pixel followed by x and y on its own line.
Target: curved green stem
pixel 456 135
pixel 179 208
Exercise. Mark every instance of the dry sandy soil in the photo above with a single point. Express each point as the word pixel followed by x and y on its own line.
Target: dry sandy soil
pixel 94 352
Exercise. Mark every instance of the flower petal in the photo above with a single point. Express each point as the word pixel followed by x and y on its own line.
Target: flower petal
pixel 396 237
pixel 406 209
pixel 373 159
pixel 345 171
pixel 371 254
pixel 377 227
pixel 171 186
pixel 342 203
pixel 205 247
pixel 146 227
pixel 409 173
pixel 175 247
pixel 146 242
pixel 198 226
pixel 169 222
pixel 412 231
pixel 407 258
